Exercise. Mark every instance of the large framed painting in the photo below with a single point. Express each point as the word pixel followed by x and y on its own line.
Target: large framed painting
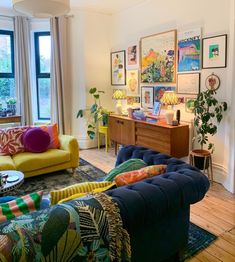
pixel 118 68
pixel 214 52
pixel 158 58
pixel 189 50
pixel 132 77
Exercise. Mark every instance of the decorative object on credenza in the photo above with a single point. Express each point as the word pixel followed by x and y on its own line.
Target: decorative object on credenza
pixel 214 52
pixel 118 68
pixel 119 95
pixel 212 82
pixel 170 99
pixel 189 50
pixel 189 104
pixel 147 97
pixel 158 58
pixel 188 83
pixel 42 8
pixel 178 116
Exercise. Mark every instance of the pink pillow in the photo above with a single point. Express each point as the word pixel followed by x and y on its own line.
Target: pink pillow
pixel 52 130
pixel 11 140
pixel 36 140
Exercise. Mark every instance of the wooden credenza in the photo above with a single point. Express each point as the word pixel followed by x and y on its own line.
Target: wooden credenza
pixel 171 140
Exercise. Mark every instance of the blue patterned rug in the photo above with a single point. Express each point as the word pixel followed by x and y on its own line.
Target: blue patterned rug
pixel 198 237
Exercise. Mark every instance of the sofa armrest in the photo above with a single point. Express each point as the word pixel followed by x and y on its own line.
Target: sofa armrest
pixel 70 143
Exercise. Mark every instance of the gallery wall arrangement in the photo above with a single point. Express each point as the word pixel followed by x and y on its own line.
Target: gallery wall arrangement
pixel 168 61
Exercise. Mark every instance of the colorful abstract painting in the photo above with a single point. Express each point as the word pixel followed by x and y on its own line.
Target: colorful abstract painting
pixel 158 55
pixel 132 82
pixel 118 68
pixel 160 90
pixel 189 50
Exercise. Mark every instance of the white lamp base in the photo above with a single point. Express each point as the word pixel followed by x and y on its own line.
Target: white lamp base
pixel 119 107
pixel 169 116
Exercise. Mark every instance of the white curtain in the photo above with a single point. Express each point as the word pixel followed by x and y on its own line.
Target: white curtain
pixel 60 84
pixel 22 67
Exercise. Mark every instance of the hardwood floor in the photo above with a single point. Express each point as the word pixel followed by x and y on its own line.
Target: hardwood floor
pixel 215 213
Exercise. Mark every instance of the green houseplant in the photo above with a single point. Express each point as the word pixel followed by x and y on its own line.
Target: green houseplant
pixel 208 113
pixel 96 113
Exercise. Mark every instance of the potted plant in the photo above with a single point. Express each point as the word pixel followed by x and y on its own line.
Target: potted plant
pixel 11 105
pixel 208 113
pixel 97 113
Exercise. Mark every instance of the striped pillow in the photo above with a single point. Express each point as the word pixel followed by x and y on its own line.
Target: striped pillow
pixel 20 206
pixel 52 130
pixel 86 187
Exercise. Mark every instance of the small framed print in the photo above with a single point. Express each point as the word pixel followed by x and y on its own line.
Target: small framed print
pixel 188 84
pixel 157 108
pixel 214 53
pixel 147 97
pixel 189 104
pixel 132 55
pixel 118 68
pixel 212 82
pixel 132 77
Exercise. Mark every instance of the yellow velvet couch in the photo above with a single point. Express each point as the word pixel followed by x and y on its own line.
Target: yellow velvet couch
pixel 33 164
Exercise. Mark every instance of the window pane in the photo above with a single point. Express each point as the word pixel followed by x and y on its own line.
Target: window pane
pixel 5 54
pixel 7 88
pixel 44 98
pixel 45 53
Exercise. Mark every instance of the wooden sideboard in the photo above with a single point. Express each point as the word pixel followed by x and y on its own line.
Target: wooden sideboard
pixel 171 140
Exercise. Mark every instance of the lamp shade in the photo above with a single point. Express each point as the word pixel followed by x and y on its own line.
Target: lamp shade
pixel 119 95
pixel 169 98
pixel 42 8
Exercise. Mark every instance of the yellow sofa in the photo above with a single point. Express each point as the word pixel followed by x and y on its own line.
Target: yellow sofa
pixel 33 164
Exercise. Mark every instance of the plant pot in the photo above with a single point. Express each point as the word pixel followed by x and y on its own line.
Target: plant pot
pixel 201 159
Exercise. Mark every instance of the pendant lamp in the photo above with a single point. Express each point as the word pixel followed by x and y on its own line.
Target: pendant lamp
pixel 42 8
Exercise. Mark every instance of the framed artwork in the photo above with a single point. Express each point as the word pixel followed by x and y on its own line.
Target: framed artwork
pixel 188 84
pixel 189 104
pixel 133 100
pixel 189 50
pixel 157 108
pixel 132 82
pixel 214 52
pixel 160 90
pixel 118 68
pixel 212 82
pixel 158 58
pixel 147 97
pixel 132 55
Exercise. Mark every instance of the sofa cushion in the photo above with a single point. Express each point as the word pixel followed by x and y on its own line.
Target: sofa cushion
pixel 52 130
pixel 27 161
pixel 6 163
pixel 36 140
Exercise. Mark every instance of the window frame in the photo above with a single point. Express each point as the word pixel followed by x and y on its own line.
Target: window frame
pixel 38 69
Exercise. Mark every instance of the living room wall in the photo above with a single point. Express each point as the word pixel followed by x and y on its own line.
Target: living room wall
pixel 215 17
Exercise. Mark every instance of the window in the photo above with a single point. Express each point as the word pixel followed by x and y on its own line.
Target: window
pixel 43 60
pixel 7 81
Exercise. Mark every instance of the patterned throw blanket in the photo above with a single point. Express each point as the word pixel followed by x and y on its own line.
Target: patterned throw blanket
pixel 88 229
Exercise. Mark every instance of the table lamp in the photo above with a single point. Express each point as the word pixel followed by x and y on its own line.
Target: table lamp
pixel 119 95
pixel 170 99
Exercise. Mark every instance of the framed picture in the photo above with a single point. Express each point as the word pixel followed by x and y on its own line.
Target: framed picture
pixel 188 84
pixel 147 97
pixel 132 55
pixel 132 82
pixel 189 104
pixel 160 90
pixel 189 50
pixel 158 58
pixel 133 100
pixel 157 108
pixel 118 68
pixel 212 82
pixel 214 52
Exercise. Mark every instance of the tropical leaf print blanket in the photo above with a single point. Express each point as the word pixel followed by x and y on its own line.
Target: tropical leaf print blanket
pixel 89 229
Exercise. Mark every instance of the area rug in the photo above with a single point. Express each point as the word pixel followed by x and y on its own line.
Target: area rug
pixel 198 237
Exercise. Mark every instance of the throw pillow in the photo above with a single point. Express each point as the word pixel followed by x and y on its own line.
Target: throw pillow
pixel 137 175
pixel 129 165
pixel 52 130
pixel 86 187
pixel 36 140
pixel 20 206
pixel 11 140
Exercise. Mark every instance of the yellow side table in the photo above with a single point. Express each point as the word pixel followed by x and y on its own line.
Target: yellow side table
pixel 104 131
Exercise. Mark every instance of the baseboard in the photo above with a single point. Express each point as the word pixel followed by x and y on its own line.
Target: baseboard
pixel 86 143
pixel 220 173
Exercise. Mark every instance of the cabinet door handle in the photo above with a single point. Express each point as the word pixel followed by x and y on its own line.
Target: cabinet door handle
pixel 121 122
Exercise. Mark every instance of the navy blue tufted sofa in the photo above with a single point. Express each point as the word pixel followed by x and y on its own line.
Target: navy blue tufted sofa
pixel 156 211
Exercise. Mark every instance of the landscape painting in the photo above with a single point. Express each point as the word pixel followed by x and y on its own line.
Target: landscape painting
pixel 189 50
pixel 158 58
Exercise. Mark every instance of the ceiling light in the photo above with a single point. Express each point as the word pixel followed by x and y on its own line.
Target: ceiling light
pixel 42 8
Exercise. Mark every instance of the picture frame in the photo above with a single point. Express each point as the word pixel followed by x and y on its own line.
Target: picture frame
pixel 132 55
pixel 189 104
pixel 132 82
pixel 158 58
pixel 214 52
pixel 118 68
pixel 147 97
pixel 157 108
pixel 188 83
pixel 160 90
pixel 212 82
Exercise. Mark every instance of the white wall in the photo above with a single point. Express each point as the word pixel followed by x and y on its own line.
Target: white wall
pixel 90 45
pixel 214 17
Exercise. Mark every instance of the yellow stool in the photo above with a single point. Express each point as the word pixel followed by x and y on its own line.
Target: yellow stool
pixel 104 131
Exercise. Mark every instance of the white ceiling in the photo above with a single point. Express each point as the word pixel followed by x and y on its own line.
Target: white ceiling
pixel 104 6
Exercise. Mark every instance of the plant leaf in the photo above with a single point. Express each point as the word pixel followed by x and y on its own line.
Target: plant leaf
pixel 92 90
pixel 80 113
pixel 93 108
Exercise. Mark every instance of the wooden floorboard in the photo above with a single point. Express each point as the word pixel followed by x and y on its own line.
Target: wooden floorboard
pixel 215 213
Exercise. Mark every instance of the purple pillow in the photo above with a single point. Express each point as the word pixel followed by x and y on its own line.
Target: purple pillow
pixel 36 140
